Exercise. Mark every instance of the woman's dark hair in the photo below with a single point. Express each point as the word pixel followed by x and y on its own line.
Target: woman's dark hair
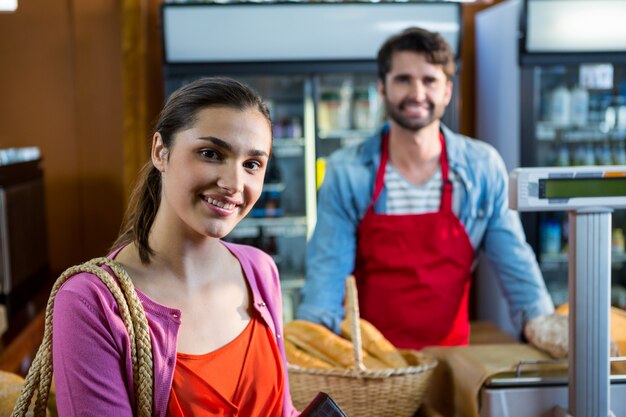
pixel 422 41
pixel 178 114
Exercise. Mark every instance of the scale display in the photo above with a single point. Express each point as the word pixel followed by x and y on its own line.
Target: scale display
pixel 582 187
pixel 567 188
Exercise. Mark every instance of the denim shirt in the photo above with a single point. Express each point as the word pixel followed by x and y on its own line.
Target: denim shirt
pixel 492 227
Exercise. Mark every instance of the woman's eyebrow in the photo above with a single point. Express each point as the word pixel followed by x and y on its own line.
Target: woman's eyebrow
pixel 225 145
pixel 218 142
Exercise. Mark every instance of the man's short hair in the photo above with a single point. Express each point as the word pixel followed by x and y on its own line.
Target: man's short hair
pixel 422 41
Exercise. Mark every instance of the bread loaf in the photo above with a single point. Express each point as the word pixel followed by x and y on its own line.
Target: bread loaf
pixel 617 323
pixel 375 344
pixel 320 342
pixel 298 357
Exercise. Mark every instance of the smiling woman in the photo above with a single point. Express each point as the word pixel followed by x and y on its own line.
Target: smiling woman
pixel 213 173
pixel 213 308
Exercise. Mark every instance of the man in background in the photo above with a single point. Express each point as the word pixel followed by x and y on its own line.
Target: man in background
pixel 408 210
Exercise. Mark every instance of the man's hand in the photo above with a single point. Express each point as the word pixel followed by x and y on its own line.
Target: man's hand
pixel 550 334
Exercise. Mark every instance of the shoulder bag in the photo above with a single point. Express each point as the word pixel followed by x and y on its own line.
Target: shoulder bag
pixel 39 375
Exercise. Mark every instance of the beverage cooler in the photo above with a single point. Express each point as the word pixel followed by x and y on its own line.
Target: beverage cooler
pixel 315 65
pixel 551 91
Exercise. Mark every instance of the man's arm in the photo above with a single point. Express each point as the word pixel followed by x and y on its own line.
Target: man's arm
pixel 512 258
pixel 331 251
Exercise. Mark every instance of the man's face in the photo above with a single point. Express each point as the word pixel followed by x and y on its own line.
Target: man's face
pixel 415 91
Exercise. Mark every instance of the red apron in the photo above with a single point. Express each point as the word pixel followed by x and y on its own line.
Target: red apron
pixel 413 271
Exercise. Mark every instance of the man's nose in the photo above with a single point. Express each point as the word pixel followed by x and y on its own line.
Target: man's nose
pixel 417 90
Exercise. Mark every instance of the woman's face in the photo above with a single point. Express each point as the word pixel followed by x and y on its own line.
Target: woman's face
pixel 213 173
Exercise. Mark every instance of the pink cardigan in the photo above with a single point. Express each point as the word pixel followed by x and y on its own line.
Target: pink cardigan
pixel 91 348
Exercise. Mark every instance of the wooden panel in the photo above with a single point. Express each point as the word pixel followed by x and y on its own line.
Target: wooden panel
pixel 468 73
pixel 60 89
pixel 98 81
pixel 37 108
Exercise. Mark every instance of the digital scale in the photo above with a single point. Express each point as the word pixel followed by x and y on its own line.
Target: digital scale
pixel 589 194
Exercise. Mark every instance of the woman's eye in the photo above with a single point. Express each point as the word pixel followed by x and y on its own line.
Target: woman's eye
pixel 253 165
pixel 209 154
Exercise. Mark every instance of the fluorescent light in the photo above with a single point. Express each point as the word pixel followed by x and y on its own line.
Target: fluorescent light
pixel 576 26
pixel 8 5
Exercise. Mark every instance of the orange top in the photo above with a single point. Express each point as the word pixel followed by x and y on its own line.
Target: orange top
pixel 243 378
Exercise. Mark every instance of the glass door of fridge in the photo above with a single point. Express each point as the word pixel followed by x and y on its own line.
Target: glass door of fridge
pixel 580 113
pixel 348 111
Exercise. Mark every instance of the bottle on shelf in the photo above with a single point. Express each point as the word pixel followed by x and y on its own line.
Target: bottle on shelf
pixel 580 155
pixel 619 103
pixel 563 156
pixel 617 241
pixel 550 236
pixel 619 153
pixel 560 107
pixel 610 119
pixel 366 105
pixel 333 111
pixel 278 129
pixel 294 128
pixel 579 106
pixel 604 156
pixel 590 158
pixel 361 110
pixel 269 203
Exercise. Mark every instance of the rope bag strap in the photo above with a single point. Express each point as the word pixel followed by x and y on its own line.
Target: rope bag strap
pixel 131 311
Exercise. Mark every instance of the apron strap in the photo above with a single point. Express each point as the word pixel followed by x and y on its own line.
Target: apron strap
pixel 446 188
pixel 380 173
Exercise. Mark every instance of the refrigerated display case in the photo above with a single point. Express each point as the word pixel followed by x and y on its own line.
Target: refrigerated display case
pixel 551 91
pixel 314 63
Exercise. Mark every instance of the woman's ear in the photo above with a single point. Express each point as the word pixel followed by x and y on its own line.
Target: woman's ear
pixel 159 152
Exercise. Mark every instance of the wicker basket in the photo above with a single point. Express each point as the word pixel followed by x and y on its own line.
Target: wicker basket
pixel 363 392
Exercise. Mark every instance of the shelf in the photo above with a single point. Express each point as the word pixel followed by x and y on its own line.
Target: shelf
pixel 273 187
pixel 346 134
pixel 550 262
pixel 546 132
pixel 291 281
pixel 270 226
pixel 288 147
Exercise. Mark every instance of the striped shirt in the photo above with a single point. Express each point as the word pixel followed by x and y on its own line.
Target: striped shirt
pixel 404 197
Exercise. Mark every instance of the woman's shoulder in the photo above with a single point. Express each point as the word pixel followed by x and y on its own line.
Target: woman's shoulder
pixel 258 265
pixel 86 288
pixel 248 253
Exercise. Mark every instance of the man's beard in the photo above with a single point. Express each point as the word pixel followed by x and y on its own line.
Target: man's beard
pixel 411 123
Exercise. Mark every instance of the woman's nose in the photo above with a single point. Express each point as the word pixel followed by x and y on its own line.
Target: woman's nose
pixel 230 180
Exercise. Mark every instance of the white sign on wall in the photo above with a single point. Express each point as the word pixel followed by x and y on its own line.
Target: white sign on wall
pixel 8 5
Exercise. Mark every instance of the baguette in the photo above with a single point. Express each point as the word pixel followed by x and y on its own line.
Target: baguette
pixel 375 344
pixel 320 342
pixel 298 357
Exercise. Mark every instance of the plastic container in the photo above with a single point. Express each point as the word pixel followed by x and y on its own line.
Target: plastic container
pixel 619 154
pixel 617 241
pixel 333 111
pixel 560 107
pixel 563 157
pixel 579 106
pixel 550 236
pixel 363 114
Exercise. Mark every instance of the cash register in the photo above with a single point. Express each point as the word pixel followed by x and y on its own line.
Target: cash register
pixel 583 386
